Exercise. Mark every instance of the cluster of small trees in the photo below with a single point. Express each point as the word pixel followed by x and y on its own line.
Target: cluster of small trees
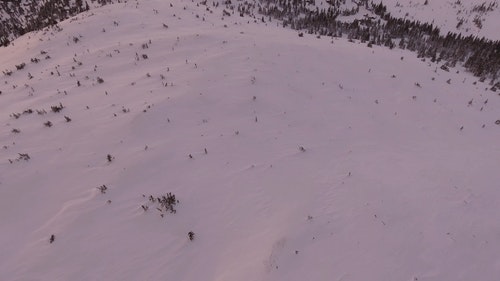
pixel 165 203
pixel 21 157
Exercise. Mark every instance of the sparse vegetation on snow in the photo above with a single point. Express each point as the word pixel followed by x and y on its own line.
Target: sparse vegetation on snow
pixel 194 140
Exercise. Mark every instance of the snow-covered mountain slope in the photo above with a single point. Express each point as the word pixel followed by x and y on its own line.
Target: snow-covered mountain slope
pixel 22 16
pixel 293 158
pixel 478 17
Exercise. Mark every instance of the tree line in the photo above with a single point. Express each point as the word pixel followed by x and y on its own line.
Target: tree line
pixel 480 56
pixel 20 17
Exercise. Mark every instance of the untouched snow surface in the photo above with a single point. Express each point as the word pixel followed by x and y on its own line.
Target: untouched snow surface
pixel 397 179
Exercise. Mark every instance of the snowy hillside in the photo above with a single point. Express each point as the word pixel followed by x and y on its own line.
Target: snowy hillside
pixel 292 158
pixel 22 16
